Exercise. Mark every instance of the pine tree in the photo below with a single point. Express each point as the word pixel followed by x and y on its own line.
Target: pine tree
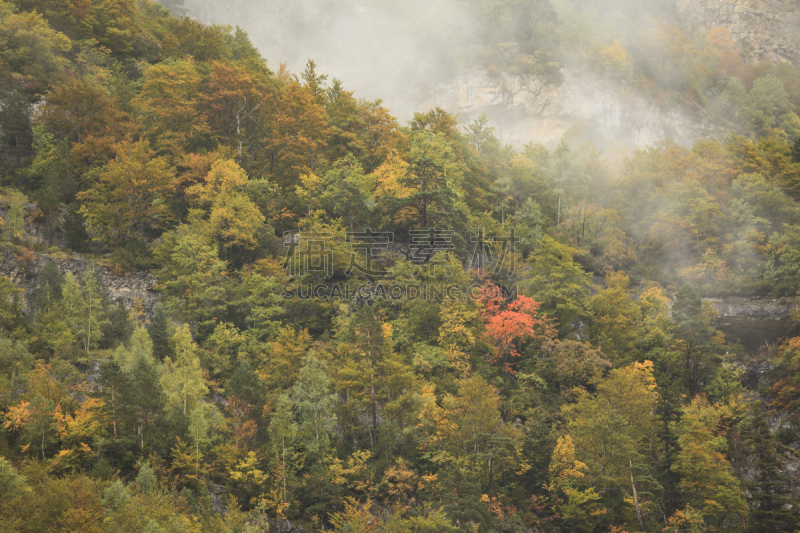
pixel 114 390
pixel 145 393
pixel 699 339
pixel 160 334
pixel 773 508
pixel 796 151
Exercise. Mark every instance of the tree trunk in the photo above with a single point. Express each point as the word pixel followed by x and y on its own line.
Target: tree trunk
pixel 374 406
pixel 239 136
pixel 558 216
pixel 636 500
pixel 283 460
pixel 113 411
pixel 491 477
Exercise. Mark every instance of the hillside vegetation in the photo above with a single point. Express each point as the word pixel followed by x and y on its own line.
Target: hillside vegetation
pixel 574 384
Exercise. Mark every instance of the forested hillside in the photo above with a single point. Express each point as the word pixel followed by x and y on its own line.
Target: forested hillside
pixel 368 326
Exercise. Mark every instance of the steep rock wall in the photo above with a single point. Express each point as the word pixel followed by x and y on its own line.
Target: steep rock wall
pixel 137 288
pixel 526 108
pixel 756 323
pixel 763 30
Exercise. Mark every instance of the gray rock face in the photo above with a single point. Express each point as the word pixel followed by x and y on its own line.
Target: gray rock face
pixel 756 323
pixel 527 108
pixel 756 375
pixel 137 288
pixel 765 31
pixel 757 308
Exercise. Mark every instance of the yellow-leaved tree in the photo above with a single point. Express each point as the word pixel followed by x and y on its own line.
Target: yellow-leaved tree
pixel 612 431
pixel 232 220
pixel 130 196
pixel 566 476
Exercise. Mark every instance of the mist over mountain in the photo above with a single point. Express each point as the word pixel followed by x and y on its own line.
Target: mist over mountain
pixel 540 70
pixel 481 266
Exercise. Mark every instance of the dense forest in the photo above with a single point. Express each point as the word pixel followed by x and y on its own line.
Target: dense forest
pixel 564 372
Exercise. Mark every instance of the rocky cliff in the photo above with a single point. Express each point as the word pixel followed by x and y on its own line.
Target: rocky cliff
pixel 763 30
pixel 756 323
pixel 527 108
pixel 137 288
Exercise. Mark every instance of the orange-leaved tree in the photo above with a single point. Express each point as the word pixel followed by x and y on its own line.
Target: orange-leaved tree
pixel 510 325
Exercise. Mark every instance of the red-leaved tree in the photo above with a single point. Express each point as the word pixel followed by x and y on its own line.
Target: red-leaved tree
pixel 510 325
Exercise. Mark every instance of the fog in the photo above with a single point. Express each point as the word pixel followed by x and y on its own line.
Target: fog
pixel 393 50
pixel 418 54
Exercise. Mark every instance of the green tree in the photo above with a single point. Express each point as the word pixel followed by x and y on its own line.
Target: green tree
pixel 767 101
pixel 160 333
pixel 699 340
pixel 566 474
pixel 486 446
pixel 15 221
pixel 32 52
pixel 192 276
pixel 11 482
pixel 345 193
pixel 613 429
pixel 282 433
pixel 142 397
pixel 431 188
pixel 9 304
pixel 313 402
pixel 706 478
pixel 774 508
pixel 559 283
pixel 84 308
pixel 182 378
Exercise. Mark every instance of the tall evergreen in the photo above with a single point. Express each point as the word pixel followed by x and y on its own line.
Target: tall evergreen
pixel 772 506
pixel 161 335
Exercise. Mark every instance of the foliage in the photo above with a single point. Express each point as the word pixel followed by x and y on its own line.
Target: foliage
pixel 583 386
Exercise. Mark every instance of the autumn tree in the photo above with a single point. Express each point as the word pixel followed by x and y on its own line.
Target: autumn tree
pixel 235 103
pixel 509 325
pixel 130 197
pixel 78 108
pixel 706 478
pixel 613 429
pixel 169 104
pixel 232 220
pixel 297 134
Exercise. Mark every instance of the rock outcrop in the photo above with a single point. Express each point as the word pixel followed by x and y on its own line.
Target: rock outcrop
pixel 765 31
pixel 756 323
pixel 528 108
pixel 134 288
